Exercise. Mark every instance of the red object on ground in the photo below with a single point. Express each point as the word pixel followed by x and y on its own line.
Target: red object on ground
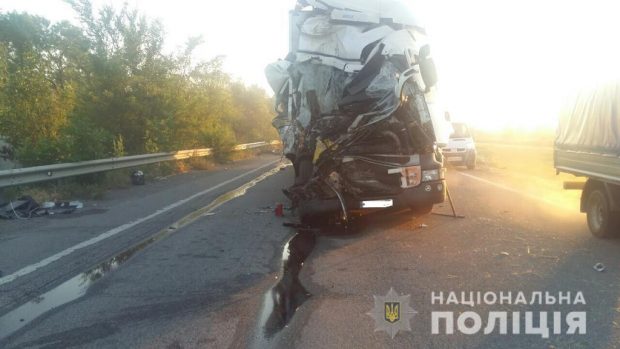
pixel 279 210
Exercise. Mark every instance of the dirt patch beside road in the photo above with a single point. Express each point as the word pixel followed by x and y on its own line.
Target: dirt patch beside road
pixel 529 169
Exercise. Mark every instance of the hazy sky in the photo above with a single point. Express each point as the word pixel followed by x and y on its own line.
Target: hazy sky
pixel 501 62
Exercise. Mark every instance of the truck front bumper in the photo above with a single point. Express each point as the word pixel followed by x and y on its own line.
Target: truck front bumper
pixel 427 192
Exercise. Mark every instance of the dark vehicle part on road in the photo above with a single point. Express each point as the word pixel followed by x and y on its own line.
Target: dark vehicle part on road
pixel 288 293
pixel 26 207
pixel 137 178
pixel 23 208
pixel 354 99
pixel 588 145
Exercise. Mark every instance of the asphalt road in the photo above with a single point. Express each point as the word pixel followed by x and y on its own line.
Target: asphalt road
pixel 173 272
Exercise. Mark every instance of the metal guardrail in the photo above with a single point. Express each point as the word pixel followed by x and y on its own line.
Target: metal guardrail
pixel 36 174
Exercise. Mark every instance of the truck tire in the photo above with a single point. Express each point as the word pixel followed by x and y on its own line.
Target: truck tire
pixel 600 219
pixel 422 209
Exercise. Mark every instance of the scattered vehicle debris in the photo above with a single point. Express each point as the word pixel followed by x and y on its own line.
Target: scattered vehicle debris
pixel 26 207
pixel 288 294
pixel 23 208
pixel 137 178
pixel 279 211
pixel 600 267
pixel 64 207
pixel 355 99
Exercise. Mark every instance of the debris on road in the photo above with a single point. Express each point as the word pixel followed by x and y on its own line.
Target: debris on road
pixel 600 267
pixel 504 253
pixel 423 226
pixel 26 207
pixel 62 207
pixel 137 178
pixel 279 211
pixel 288 294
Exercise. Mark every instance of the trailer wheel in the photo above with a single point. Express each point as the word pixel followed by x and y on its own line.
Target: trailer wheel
pixel 598 214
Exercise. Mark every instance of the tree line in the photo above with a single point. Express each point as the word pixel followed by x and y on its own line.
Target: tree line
pixel 105 87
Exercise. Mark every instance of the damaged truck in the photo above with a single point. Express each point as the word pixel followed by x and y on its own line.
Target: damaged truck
pixel 356 110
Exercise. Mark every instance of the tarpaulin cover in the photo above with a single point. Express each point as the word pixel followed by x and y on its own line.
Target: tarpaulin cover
pixel 591 123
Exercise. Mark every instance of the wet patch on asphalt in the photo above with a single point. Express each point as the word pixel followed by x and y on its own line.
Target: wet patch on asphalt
pixel 288 294
pixel 282 301
pixel 77 286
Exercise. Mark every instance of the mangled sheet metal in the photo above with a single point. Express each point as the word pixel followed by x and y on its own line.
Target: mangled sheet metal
pixel 26 207
pixel 352 97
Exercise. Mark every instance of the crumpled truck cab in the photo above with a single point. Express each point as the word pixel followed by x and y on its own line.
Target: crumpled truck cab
pixel 354 99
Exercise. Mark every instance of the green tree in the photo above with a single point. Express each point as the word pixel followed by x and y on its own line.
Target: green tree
pixel 106 87
pixel 35 106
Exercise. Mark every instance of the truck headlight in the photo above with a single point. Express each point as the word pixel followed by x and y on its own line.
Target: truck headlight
pixel 433 175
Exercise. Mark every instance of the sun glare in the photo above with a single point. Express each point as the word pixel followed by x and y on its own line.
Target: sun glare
pixel 511 64
pixel 502 64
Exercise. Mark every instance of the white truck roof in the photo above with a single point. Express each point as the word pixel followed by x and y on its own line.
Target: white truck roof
pixel 397 10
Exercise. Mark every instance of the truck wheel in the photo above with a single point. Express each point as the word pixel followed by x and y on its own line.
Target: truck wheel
pixel 422 209
pixel 599 217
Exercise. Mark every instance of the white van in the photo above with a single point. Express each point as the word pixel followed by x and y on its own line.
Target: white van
pixel 461 149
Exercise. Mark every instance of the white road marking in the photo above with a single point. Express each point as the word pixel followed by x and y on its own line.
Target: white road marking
pixel 512 190
pixel 31 268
